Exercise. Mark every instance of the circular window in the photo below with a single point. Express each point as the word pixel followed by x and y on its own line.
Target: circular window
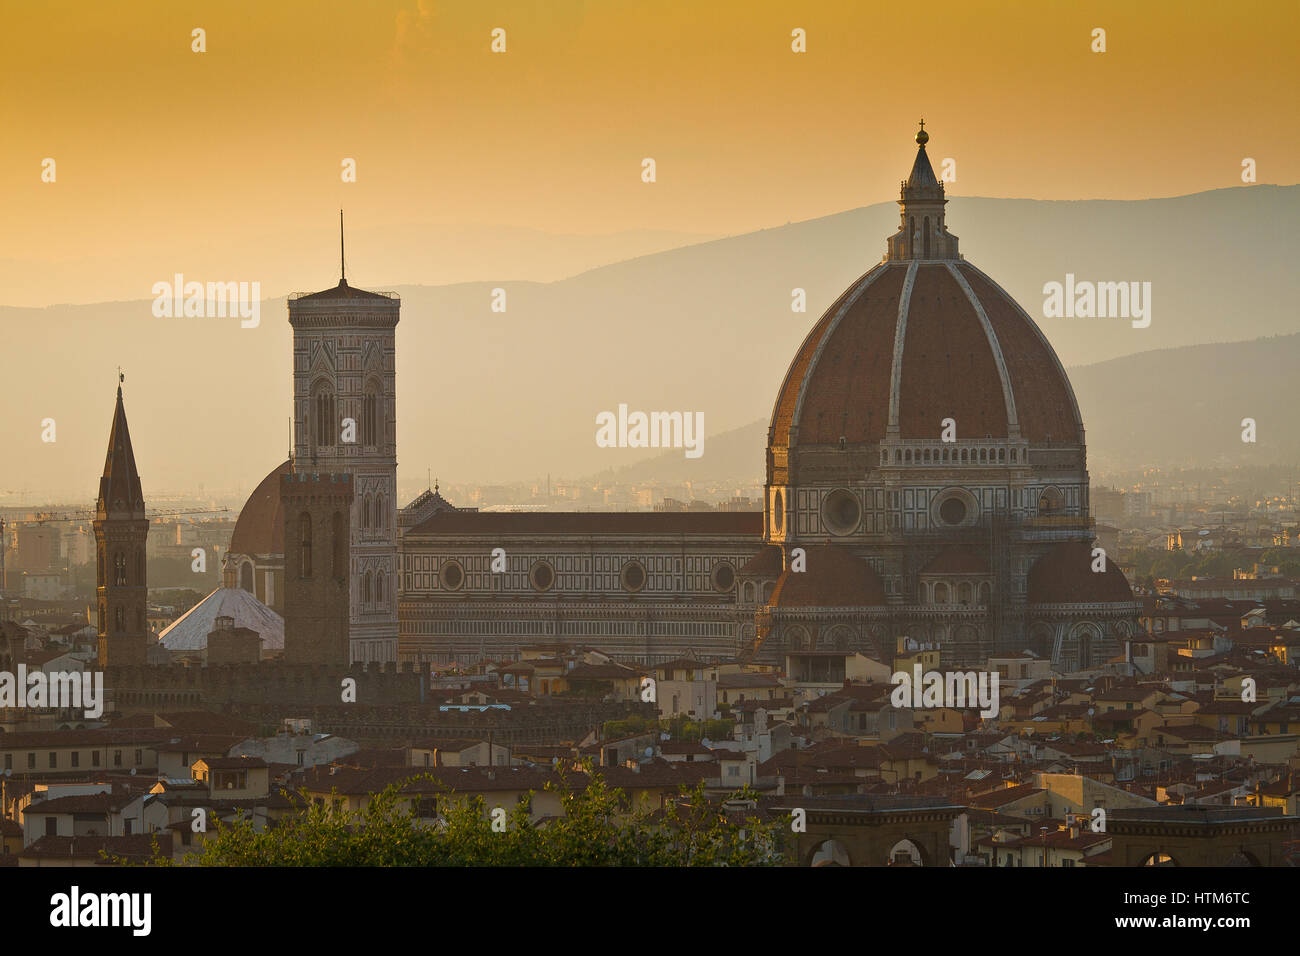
pixel 841 511
pixel 778 511
pixel 633 576
pixel 724 577
pixel 542 576
pixel 953 511
pixel 453 575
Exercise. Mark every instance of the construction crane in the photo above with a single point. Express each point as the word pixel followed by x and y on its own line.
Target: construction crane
pixel 44 516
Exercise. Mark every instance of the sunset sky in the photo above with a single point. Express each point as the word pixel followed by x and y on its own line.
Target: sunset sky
pixel 226 164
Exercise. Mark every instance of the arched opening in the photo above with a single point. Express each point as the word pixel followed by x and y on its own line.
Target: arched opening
pixel 119 619
pixel 365 512
pixel 965 592
pixel 119 568
pixel 304 545
pixel 246 576
pixel 322 414
pixel 370 416
pixel 339 566
pixel 365 588
pixel 905 853
pixel 985 592
pixel 927 237
pixel 941 593
pixel 379 587
pixel 1051 502
pixel 830 853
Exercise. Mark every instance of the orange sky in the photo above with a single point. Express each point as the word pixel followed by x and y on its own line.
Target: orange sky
pixel 169 160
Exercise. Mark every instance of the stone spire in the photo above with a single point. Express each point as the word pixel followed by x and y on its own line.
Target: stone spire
pixel 922 233
pixel 120 494
pixel 121 527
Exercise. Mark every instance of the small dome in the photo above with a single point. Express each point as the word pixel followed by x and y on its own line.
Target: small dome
pixel 833 578
pixel 260 528
pixel 1064 576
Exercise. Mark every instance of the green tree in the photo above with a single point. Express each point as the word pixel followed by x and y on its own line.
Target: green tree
pixel 598 828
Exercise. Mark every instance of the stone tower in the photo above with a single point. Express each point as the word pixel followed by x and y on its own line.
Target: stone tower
pixel 345 421
pixel 120 531
pixel 317 557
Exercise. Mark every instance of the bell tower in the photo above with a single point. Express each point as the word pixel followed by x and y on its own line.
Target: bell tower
pixel 121 527
pixel 345 422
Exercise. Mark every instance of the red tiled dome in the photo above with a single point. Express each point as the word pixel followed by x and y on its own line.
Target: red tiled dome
pixel 260 528
pixel 1064 576
pixel 950 364
pixel 833 578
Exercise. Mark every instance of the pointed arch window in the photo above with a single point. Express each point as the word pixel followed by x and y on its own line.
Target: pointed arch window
pixel 119 619
pixel 379 586
pixel 322 415
pixel 370 416
pixel 365 588
pixel 340 568
pixel 304 545
pixel 365 512
pixel 119 568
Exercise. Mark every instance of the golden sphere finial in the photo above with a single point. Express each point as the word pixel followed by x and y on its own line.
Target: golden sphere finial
pixel 922 137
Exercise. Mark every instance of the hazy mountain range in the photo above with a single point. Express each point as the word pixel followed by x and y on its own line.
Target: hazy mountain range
pixel 494 397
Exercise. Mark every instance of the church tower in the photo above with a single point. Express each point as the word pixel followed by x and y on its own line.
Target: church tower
pixel 120 531
pixel 345 421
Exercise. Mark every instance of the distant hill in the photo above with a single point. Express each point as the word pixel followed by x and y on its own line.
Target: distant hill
pixel 494 397
pixel 1179 406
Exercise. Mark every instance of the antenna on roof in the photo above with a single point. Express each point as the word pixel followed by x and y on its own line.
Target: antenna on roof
pixel 343 269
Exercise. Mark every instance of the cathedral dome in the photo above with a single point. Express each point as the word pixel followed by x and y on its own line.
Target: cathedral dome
pixel 922 337
pixel 260 527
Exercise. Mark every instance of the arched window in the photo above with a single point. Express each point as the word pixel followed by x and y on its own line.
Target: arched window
pixel 984 593
pixel 322 415
pixel 119 619
pixel 964 592
pixel 379 587
pixel 246 576
pixel 365 512
pixel 1013 454
pixel 963 455
pixel 370 416
pixel 365 588
pixel 911 235
pixel 304 545
pixel 119 568
pixel 1002 454
pixel 941 593
pixel 340 547
pixel 927 237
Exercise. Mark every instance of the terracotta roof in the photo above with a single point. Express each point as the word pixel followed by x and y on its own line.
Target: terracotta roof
pixel 746 523
pixel 1064 576
pixel 767 563
pixel 138 847
pixel 834 578
pixel 260 528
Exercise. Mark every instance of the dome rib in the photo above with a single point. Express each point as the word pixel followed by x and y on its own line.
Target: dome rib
pixel 1027 365
pixel 857 291
pixel 1013 422
pixel 900 339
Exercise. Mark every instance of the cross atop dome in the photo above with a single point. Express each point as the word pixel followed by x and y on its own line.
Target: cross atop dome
pixel 922 234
